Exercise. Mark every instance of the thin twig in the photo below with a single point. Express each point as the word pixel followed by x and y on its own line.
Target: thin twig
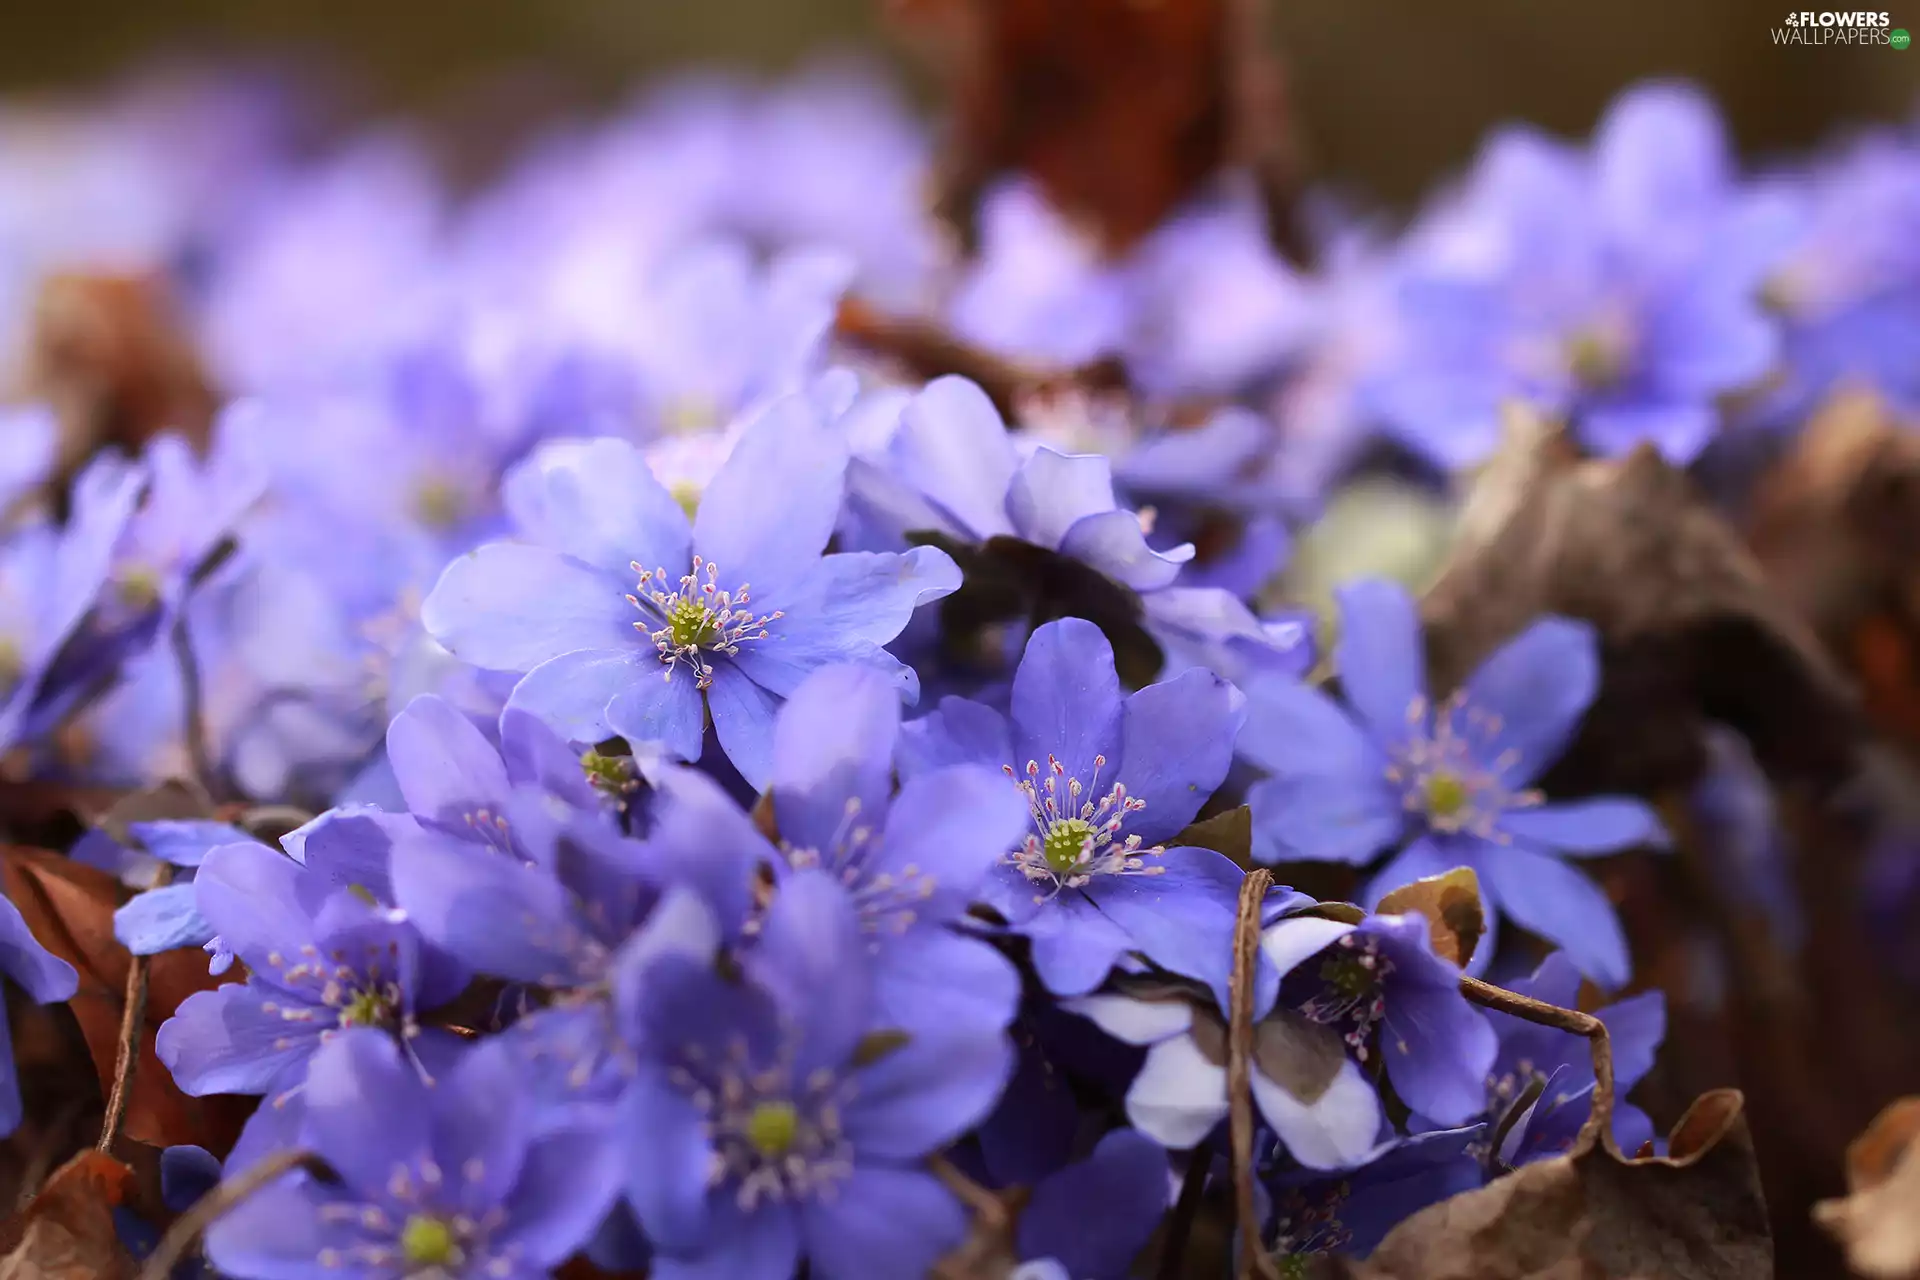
pixel 193 709
pixel 1173 1247
pixel 987 1208
pixel 133 1022
pixel 213 1206
pixel 1246 951
pixel 1600 1121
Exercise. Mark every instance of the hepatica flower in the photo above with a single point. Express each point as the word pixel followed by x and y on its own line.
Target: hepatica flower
pixel 463 1179
pixel 1446 785
pixel 912 862
pixel 769 1121
pixel 1599 286
pixel 45 977
pixel 628 620
pixel 1107 779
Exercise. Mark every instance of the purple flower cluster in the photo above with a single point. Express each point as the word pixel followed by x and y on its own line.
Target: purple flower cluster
pixel 730 788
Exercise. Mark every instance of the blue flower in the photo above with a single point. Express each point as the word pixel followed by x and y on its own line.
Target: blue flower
pixel 464 1178
pixel 1451 782
pixel 320 958
pixel 1595 286
pixel 913 862
pixel 1107 780
pixel 1379 984
pixel 773 1119
pixel 1351 1213
pixel 628 621
pixel 1094 1216
pixel 1550 1072
pixel 168 916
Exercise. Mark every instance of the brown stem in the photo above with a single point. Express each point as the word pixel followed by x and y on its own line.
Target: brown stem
pixel 213 1206
pixel 133 1021
pixel 1599 1123
pixel 193 708
pixel 987 1208
pixel 1173 1247
pixel 1246 951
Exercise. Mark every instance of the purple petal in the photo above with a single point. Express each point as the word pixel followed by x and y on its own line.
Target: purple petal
pixel 833 755
pixel 656 704
pixel 1381 664
pixel 1066 700
pixel 1051 491
pixel 599 502
pixel 1094 1216
pixel 46 978
pixel 743 716
pixel 700 837
pixel 934 977
pixel 1558 902
pixel 501 916
pixel 368 1111
pixel 668 1165
pixel 927 1092
pixel 250 894
pixel 1074 945
pixel 763 1244
pixel 159 920
pixel 228 1040
pixel 1587 826
pixel 1294 729
pixel 883 1222
pixel 1182 918
pixel 277 1234
pixel 767 515
pixel 568 1181
pixel 1339 818
pixel 1114 543
pixel 1539 684
pixel 185 843
pixel 949 827
pixel 812 957
pixel 1176 745
pixel 868 595
pixel 445 766
pixel 960 732
pixel 1635 1028
pixel 483 1118
pixel 1293 941
pixel 509 607
pixel 953 447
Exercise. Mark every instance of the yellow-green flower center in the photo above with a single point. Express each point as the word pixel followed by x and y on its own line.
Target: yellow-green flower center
pixel 139 586
pixel 366 1009
pixel 1594 358
pixel 690 624
pixel 12 661
pixel 1065 842
pixel 438 503
pixel 427 1242
pixel 1447 795
pixel 1347 976
pixel 772 1128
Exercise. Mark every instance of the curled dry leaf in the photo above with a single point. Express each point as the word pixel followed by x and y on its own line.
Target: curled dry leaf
pixel 1119 110
pixel 1228 833
pixel 66 1231
pixel 1451 905
pixel 69 907
pixel 1693 1214
pixel 1878 1222
pixel 1690 629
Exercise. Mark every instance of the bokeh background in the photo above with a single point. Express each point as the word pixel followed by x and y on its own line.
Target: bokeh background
pixel 1390 94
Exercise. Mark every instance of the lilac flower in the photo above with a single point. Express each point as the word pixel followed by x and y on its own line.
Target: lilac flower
pixel 912 862
pixel 320 958
pixel 189 508
pixel 1450 783
pixel 1107 779
pixel 45 978
pixel 768 1123
pixel 540 887
pixel 466 1178
pixel 1593 286
pixel 1094 1216
pixel 1379 984
pixel 1549 1072
pixel 630 622
pixel 1352 1212
pixel 167 916
pixel 50 581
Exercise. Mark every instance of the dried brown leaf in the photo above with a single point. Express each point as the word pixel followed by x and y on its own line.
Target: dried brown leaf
pixel 1878 1222
pixel 1229 834
pixel 69 907
pixel 1451 905
pixel 66 1232
pixel 1690 630
pixel 1694 1214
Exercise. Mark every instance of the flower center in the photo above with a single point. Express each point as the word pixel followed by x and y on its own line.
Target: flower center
pixel 1352 994
pixel 772 1128
pixel 138 587
pixel 687 494
pixel 610 775
pixel 888 900
pixel 438 502
pixel 1066 843
pixel 1076 828
pixel 1306 1222
pixel 366 1009
pixel 696 619
pixel 13 663
pixel 427 1241
pixel 1447 795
